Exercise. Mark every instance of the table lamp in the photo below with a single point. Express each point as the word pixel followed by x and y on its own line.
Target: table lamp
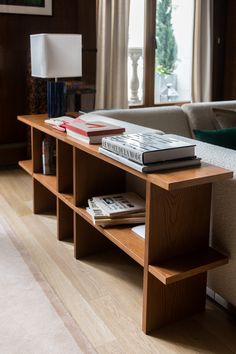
pixel 56 56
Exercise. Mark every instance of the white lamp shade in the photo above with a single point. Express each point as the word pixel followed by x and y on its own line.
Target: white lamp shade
pixel 56 55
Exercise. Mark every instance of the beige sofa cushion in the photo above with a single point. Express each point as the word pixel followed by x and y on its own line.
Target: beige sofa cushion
pixel 201 115
pixel 168 119
pixel 225 118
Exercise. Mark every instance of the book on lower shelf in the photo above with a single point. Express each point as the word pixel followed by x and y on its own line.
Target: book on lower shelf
pixel 116 209
pixel 146 148
pixel 49 155
pixel 139 230
pixel 153 167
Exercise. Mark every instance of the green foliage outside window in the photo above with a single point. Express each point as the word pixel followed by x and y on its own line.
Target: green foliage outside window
pixel 166 56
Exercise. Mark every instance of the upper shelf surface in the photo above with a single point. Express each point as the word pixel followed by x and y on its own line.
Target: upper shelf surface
pixel 169 180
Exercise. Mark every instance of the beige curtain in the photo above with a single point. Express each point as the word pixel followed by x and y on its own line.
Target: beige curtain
pixel 112 54
pixel 202 51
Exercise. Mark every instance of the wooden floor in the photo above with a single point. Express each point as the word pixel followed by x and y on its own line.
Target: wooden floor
pixel 103 292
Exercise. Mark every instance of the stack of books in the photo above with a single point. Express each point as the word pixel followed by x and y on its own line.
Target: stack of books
pixel 150 152
pixel 91 132
pixel 117 209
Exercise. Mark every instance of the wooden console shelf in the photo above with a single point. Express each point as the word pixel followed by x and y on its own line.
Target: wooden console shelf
pixel 175 254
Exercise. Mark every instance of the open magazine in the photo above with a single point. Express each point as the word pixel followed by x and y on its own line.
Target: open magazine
pixel 120 204
pixel 115 209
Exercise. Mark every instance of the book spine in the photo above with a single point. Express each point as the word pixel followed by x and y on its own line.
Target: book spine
pixel 43 157
pixel 49 156
pixel 121 159
pixel 123 150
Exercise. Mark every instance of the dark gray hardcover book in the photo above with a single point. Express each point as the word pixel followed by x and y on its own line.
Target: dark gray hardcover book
pixel 154 167
pixel 146 148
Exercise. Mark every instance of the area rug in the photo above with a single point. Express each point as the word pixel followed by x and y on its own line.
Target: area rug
pixel 32 318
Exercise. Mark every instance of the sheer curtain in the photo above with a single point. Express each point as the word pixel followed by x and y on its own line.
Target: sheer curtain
pixel 112 54
pixel 202 51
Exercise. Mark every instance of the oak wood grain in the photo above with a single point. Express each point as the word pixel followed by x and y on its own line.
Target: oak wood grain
pixel 178 222
pixel 103 292
pixel 187 266
pixel 27 165
pixel 64 162
pixel 65 217
pixel 178 210
pixel 88 240
pixel 164 304
pixel 169 180
pixel 36 149
pixel 94 177
pixel 43 201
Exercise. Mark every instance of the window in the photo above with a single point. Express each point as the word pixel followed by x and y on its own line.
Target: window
pixel 160 51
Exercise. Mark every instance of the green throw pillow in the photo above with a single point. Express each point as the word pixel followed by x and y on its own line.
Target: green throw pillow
pixel 221 137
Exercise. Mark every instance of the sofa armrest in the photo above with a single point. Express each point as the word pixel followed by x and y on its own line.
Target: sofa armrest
pixel 201 116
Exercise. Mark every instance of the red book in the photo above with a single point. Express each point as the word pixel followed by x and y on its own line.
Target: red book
pixel 93 128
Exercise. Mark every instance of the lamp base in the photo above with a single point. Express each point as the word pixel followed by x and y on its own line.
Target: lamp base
pixel 56 99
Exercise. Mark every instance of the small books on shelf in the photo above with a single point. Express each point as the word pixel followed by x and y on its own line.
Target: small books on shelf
pixel 59 122
pixel 155 166
pixel 92 132
pixel 115 209
pixel 49 155
pixel 146 148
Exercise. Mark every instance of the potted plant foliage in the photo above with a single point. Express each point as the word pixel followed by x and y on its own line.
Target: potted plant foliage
pixel 166 47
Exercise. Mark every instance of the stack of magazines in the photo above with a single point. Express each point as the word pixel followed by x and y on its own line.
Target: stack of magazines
pixel 117 209
pixel 150 152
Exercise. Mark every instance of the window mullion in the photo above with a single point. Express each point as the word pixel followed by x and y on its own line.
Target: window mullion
pixel 149 51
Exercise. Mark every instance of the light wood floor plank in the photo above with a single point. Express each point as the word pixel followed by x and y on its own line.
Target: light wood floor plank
pixel 103 292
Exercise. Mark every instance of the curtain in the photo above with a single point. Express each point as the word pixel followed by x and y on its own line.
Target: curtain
pixel 202 51
pixel 112 54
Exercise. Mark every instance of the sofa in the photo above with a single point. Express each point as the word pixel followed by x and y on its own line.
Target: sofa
pixel 183 121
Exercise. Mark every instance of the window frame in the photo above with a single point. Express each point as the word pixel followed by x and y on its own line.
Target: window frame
pixel 149 59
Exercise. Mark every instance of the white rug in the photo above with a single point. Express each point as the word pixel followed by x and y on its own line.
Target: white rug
pixel 30 323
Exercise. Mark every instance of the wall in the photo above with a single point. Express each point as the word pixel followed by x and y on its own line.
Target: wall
pixel 229 69
pixel 77 17
pixel 224 69
pixel 219 48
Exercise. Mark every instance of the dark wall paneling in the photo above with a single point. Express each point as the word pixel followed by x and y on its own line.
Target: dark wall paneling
pixel 229 68
pixel 219 39
pixel 74 16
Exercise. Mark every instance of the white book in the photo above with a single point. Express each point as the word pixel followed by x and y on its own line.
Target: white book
pixel 95 139
pixel 146 148
pixel 139 230
pixel 153 167
pixel 120 203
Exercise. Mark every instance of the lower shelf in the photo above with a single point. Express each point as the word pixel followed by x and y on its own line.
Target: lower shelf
pixel 121 236
pixel 186 266
pixel 27 165
pixel 48 181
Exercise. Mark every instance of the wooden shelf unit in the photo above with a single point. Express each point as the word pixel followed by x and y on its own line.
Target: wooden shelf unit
pixel 175 254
